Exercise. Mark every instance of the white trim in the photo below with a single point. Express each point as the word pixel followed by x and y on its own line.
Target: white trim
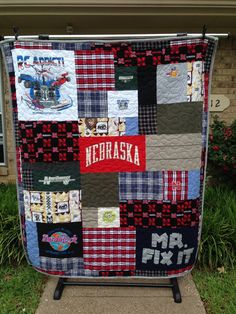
pixel 119 36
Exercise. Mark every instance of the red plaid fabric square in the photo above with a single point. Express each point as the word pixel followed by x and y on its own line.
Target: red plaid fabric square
pixel 175 185
pixel 95 70
pixel 109 249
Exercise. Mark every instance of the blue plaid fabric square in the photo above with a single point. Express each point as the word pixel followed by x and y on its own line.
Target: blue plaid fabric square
pixel 92 104
pixel 7 51
pixel 21 199
pixel 146 185
pixel 71 46
pixel 61 264
pixel 82 272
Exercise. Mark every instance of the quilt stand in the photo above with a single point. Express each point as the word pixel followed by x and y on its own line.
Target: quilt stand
pixel 62 282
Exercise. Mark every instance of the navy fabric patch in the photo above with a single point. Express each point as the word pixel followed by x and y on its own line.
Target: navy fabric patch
pixel 147 85
pixel 169 249
pixel 60 240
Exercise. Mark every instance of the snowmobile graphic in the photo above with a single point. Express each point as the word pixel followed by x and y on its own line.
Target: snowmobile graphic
pixel 44 92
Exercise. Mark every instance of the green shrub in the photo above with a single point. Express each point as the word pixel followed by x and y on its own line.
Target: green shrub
pixel 218 242
pixel 11 250
pixel 222 150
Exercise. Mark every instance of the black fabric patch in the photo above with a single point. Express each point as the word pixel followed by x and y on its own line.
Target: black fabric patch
pixel 60 240
pixel 147 119
pixel 126 78
pixel 125 273
pixel 159 214
pixel 169 249
pixel 147 85
pixel 55 176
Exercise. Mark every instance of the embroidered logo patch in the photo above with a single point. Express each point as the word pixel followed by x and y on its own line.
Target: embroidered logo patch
pixel 109 217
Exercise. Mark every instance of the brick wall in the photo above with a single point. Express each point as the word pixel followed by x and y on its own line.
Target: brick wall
pixel 223 82
pixel 224 77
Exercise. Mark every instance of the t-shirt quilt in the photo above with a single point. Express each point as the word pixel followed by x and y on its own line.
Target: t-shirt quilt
pixel 111 144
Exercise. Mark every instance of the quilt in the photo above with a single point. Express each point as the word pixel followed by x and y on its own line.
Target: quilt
pixel 111 142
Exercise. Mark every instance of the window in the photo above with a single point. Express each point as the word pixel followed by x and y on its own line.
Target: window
pixel 2 135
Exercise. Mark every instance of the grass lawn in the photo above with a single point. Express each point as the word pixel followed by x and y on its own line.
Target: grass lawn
pixel 20 289
pixel 217 290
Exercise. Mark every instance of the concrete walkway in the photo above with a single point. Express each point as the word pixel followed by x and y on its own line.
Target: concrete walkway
pixel 120 300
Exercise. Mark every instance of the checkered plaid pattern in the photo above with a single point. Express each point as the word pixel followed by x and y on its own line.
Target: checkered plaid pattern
pixel 81 273
pixel 204 128
pixel 20 194
pixel 7 51
pixel 49 141
pixel 126 273
pixel 71 46
pixel 16 129
pixel 187 50
pixel 187 41
pixel 18 164
pixel 147 119
pixel 179 271
pixel 209 54
pixel 50 272
pixel 206 92
pixel 146 185
pixel 175 185
pixel 150 273
pixel 32 45
pixel 64 264
pixel 27 179
pixel 159 214
pixel 13 91
pixel 94 70
pixel 92 104
pixel 150 45
pixel 109 249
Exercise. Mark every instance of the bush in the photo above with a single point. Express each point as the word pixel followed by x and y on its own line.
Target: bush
pixel 11 249
pixel 222 150
pixel 218 242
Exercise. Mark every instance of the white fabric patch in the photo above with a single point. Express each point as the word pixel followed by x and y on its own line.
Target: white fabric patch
pixel 123 103
pixel 45 84
pixel 108 217
pixel 195 81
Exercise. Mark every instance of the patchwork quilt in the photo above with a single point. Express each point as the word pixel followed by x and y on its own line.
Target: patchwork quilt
pixel 111 141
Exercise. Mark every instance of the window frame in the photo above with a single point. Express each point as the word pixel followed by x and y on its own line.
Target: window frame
pixel 2 115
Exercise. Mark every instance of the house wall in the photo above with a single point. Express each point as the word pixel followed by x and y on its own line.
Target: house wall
pixel 8 172
pixel 224 77
pixel 223 82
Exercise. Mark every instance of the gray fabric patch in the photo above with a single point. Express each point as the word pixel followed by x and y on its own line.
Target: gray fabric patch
pixel 172 83
pixel 90 217
pixel 173 152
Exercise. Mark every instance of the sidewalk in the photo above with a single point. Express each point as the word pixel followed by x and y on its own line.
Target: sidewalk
pixel 130 300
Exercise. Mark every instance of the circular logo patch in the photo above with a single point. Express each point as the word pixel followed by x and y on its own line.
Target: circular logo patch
pixel 109 216
pixel 60 241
